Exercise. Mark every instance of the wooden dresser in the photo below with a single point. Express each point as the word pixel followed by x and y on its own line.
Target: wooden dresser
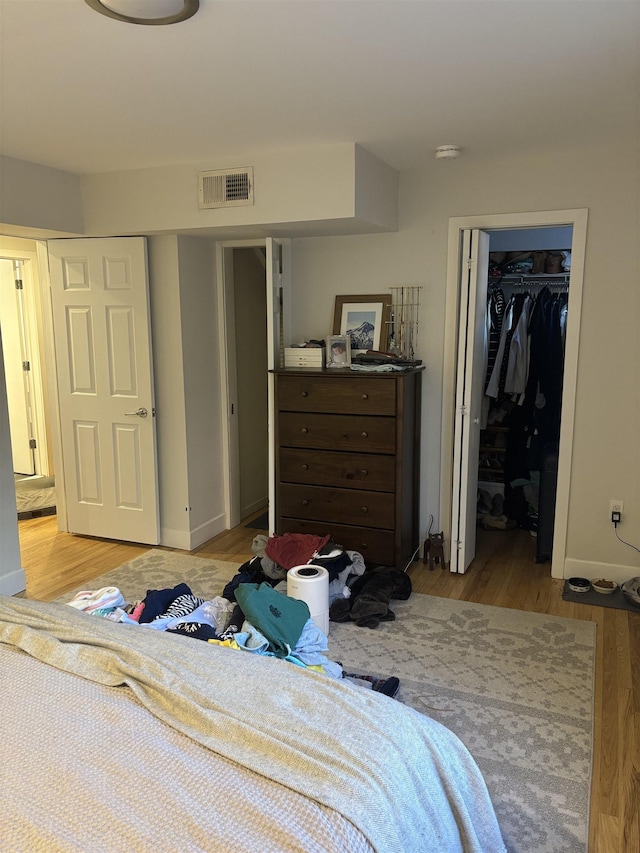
pixel 347 459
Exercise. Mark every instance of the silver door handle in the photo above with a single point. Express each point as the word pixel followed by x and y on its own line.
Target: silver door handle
pixel 141 413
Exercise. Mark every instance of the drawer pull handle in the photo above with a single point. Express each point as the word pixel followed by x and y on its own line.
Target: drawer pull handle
pixel 365 434
pixel 304 430
pixel 304 394
pixel 364 472
pixel 305 502
pixel 364 509
pixel 365 396
pixel 363 546
pixel 305 467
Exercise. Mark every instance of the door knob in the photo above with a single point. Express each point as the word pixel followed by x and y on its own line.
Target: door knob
pixel 141 413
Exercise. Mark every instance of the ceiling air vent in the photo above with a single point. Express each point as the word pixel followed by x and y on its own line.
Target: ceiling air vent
pixel 225 188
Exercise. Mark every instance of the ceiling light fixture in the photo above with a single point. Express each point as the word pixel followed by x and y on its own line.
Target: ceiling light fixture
pixel 149 12
pixel 447 152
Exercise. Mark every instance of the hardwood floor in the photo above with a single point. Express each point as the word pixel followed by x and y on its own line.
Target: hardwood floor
pixel 503 574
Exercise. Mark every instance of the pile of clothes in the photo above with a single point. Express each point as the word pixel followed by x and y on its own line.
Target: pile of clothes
pixel 253 613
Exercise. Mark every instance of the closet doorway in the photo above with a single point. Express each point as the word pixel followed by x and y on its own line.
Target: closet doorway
pixel 486 439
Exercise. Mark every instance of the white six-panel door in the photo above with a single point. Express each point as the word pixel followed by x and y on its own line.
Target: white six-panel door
pixel 100 306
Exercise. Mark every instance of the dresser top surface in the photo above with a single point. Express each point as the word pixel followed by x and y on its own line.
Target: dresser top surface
pixel 345 372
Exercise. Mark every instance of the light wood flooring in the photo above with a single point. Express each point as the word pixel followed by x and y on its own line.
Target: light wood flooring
pixel 503 574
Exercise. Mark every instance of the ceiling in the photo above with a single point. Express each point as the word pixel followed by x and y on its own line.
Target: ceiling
pixel 86 93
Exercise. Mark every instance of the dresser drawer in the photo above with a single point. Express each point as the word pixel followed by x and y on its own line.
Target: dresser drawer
pixel 341 395
pixel 337 432
pixel 376 546
pixel 345 470
pixel 367 509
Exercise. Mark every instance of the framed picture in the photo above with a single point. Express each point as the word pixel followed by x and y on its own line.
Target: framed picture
pixel 338 351
pixel 365 319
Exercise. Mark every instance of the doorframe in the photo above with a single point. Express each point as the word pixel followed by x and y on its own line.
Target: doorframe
pixel 51 375
pixel 577 219
pixel 34 329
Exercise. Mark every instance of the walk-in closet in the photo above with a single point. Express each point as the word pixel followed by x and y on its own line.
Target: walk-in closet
pixel 526 314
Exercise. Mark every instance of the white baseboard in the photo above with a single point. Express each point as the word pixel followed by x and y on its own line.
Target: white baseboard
pixel 13 583
pixel 254 506
pixel 187 540
pixel 592 570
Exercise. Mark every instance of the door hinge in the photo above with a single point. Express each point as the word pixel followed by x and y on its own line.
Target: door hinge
pixel 26 365
pixel 463 410
pixel 469 263
pixel 32 443
pixel 18 284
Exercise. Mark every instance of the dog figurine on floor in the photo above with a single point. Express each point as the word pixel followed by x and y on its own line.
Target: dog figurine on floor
pixel 436 550
pixel 433 548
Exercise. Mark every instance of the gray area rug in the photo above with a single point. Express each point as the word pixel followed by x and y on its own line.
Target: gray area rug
pixel 516 687
pixel 35 496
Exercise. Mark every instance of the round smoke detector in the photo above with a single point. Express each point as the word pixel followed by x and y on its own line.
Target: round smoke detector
pixel 447 152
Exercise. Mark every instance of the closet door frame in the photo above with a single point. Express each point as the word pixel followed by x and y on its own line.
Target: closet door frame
pixel 577 219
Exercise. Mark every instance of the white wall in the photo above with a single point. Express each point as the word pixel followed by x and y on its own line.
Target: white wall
pixel 39 198
pixel 291 188
pixel 200 354
pixel 606 451
pixel 185 354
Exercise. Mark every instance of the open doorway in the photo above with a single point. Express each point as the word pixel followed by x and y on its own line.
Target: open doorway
pixel 464 413
pixel 22 343
pixel 272 318
pixel 250 358
pixel 528 283
pixel 243 268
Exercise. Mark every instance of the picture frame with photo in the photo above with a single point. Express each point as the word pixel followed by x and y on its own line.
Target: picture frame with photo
pixel 338 353
pixel 366 319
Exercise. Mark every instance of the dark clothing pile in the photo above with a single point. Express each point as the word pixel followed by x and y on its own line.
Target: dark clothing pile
pixel 368 604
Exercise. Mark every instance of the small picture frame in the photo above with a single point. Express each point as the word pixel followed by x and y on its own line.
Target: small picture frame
pixel 365 318
pixel 338 351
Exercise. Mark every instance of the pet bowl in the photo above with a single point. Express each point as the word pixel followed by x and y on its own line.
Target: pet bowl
pixel 603 586
pixel 579 584
pixel 631 591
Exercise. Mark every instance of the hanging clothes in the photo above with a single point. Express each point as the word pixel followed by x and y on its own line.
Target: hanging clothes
pixel 495 315
pixel 518 357
pixel 535 424
pixel 496 386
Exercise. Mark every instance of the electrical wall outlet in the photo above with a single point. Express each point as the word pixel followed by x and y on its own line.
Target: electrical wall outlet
pixel 615 507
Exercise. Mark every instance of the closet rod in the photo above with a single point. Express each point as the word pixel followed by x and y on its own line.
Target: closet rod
pixel 526 280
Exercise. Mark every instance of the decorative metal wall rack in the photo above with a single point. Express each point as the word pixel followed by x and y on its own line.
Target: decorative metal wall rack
pixel 404 321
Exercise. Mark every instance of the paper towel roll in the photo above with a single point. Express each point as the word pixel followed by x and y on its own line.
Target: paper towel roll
pixel 311 585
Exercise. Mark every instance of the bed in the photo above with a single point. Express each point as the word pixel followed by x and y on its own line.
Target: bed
pixel 116 738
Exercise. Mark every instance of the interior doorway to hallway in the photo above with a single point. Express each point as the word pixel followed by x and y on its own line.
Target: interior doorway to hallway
pixel 24 355
pixel 244 271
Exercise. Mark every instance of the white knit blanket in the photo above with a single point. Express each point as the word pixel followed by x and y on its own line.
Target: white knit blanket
pixel 406 782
